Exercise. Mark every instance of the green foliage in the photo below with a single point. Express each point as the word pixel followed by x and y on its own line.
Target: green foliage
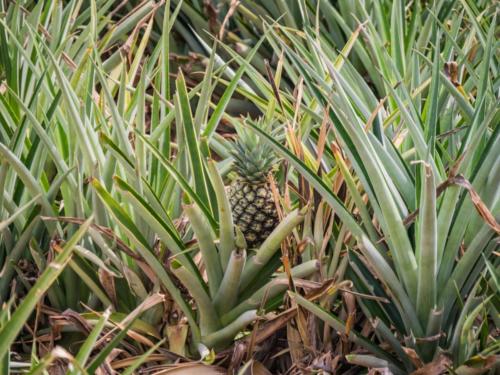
pixel 113 162
pixel 430 129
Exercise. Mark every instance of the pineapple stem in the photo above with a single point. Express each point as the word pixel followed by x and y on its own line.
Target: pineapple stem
pixel 228 292
pixel 225 335
pixel 271 245
pixel 271 289
pixel 208 250
pixel 226 226
pixel 209 320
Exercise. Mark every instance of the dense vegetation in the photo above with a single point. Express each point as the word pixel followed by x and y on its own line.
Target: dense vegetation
pixel 303 186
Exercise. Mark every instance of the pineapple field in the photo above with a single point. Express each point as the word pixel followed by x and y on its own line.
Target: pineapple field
pixel 249 187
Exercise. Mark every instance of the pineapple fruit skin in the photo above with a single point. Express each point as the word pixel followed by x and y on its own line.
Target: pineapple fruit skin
pixel 254 210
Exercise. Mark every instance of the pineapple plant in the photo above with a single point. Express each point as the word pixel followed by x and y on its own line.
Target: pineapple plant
pixel 250 194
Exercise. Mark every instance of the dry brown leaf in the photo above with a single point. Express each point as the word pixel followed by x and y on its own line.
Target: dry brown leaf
pixel 256 368
pixel 439 366
pixel 140 338
pixel 237 356
pixel 294 343
pixel 191 368
pixel 126 362
pixel 451 72
pixel 259 369
pixel 414 357
pixel 326 362
pixel 270 327
pixel 106 368
pixel 70 317
pixel 380 371
pixel 108 283
pixel 276 195
pixel 232 7
pixel 261 334
pixel 325 127
pixel 177 335
pixel 481 208
pixel 478 365
pixel 302 326
pixel 374 114
pixel 211 12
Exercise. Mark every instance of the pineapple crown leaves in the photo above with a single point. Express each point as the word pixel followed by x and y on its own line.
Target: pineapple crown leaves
pixel 254 158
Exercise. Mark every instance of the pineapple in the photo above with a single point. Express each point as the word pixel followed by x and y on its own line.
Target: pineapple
pixel 250 194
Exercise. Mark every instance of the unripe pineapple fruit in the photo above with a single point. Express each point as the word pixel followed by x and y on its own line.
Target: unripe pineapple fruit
pixel 250 194
pixel 254 210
